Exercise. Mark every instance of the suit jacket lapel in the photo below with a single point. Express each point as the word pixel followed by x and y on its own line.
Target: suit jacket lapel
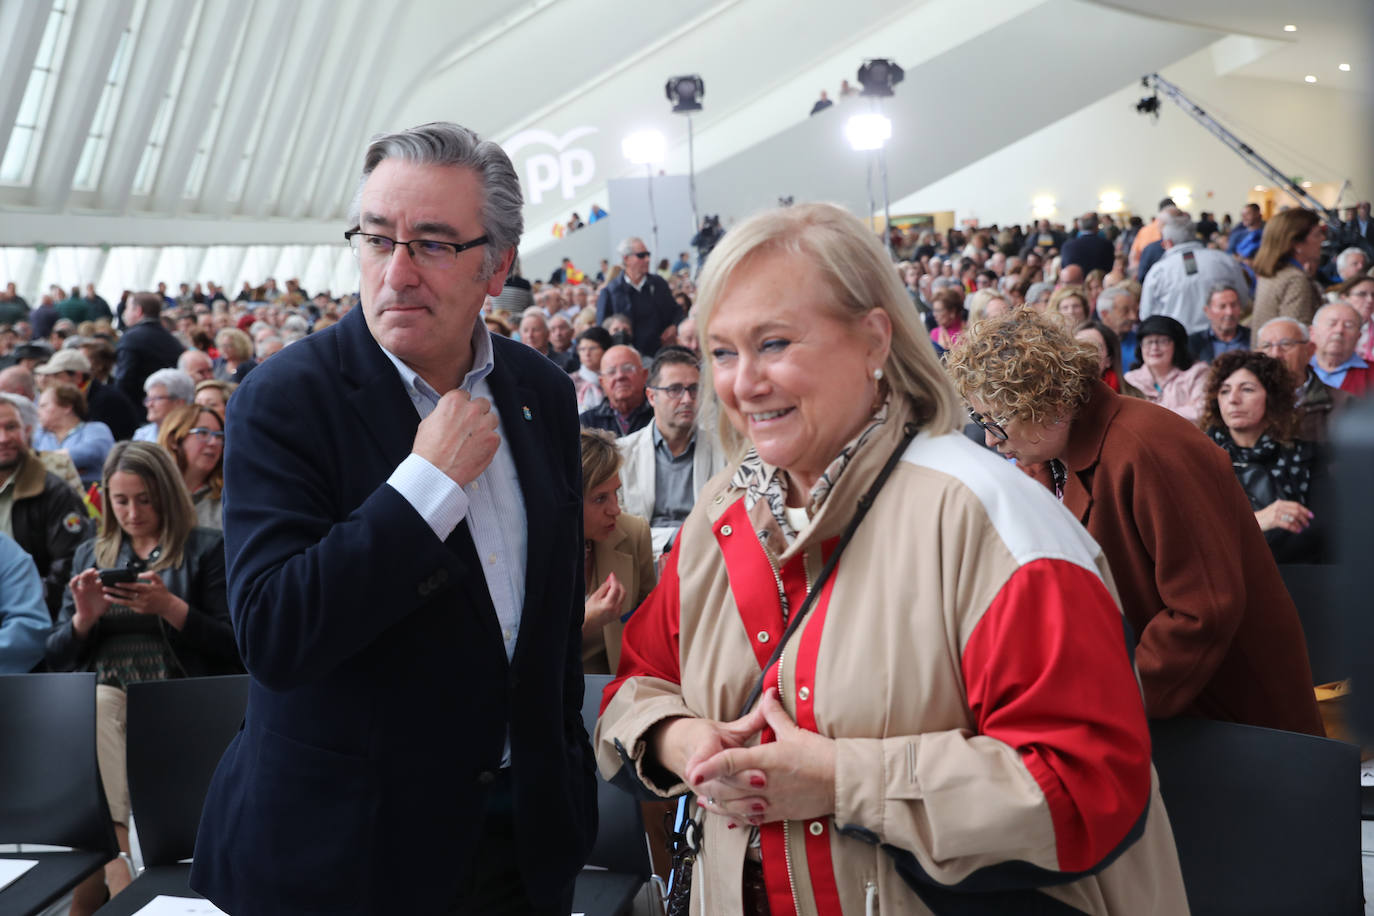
pixel 378 394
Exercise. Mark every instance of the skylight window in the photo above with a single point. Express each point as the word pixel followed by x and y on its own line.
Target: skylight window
pixel 20 158
pixel 162 123
pixel 88 170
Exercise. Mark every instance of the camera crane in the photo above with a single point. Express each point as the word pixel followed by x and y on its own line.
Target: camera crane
pixel 1150 106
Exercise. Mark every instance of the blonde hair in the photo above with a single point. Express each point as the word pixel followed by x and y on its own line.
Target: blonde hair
pixel 235 344
pixel 152 464
pixel 858 274
pixel 600 459
pixel 174 429
pixel 1025 365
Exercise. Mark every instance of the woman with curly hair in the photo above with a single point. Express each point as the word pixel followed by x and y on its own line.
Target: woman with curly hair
pixel 1249 412
pixel 1198 584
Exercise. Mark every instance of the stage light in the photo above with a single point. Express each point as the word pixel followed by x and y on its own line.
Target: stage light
pixel 868 131
pixel 685 92
pixel 1290 28
pixel 1344 68
pixel 645 147
pixel 1110 202
pixel 1181 195
pixel 878 75
pixel 1043 207
pixel 1310 78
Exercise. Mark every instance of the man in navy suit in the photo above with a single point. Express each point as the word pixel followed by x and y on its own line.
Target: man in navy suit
pixel 403 531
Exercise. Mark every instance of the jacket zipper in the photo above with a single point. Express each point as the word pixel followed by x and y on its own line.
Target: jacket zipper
pixel 782 658
pixel 871 899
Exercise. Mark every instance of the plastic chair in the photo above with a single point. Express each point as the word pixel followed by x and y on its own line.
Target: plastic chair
pixel 177 732
pixel 619 864
pixel 1265 821
pixel 52 794
pixel 1328 636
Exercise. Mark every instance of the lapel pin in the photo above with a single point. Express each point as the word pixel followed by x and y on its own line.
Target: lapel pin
pixel 528 415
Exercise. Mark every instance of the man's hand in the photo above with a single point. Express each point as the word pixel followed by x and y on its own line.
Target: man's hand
pixel 460 437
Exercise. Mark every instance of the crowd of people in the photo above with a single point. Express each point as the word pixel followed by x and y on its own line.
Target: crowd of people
pixel 1052 437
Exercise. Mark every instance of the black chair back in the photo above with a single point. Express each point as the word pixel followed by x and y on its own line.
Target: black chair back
pixel 52 790
pixel 177 732
pixel 620 844
pixel 1266 822
pixel 1320 610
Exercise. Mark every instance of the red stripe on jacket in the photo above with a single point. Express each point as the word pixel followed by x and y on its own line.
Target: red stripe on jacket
pixel 1047 673
pixel 649 644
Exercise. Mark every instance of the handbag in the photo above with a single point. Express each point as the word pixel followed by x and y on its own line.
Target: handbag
pixel 686 839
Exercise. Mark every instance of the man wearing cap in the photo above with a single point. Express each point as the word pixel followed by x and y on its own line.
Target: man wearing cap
pixel 104 403
pixel 37 508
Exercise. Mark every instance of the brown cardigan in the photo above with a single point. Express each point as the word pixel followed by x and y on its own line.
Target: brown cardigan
pixel 1217 634
pixel 1289 293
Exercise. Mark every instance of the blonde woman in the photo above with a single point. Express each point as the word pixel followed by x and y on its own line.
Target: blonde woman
pixel 170 619
pixel 214 394
pixel 194 435
pixel 235 355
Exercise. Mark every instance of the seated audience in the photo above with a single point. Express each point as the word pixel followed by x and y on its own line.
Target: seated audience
pixel 24 619
pixel 194 435
pixel 620 560
pixel 625 408
pixel 197 364
pixel 235 355
pixel 687 330
pixel 1285 339
pixel 1335 332
pixel 592 344
pixel 1208 610
pixel 171 621
pixel 42 513
pixel 666 462
pixel 948 309
pixel 1166 373
pixel 534 330
pixel 1358 293
pixel 166 390
pixel 1291 241
pixel 1071 303
pixel 1250 414
pixel 1102 339
pixel 1224 331
pixel 65 427
pixel 620 329
pixel 104 403
pixel 561 349
pixel 214 394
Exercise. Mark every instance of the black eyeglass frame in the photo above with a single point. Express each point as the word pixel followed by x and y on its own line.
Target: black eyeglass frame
pixel 458 247
pixel 693 390
pixel 991 426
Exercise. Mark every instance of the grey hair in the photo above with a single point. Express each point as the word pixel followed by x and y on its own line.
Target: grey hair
pixel 535 311
pixel 28 414
pixel 1344 258
pixel 1221 288
pixel 176 383
pixel 1107 298
pixel 1088 222
pixel 626 247
pixel 1302 328
pixel 296 324
pixel 1178 229
pixel 444 143
pixel 1328 307
pixel 1038 290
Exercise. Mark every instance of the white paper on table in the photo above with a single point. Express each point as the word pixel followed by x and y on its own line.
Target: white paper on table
pixel 164 905
pixel 1367 773
pixel 11 869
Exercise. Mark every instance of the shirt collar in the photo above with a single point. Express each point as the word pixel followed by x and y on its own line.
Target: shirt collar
pixel 636 286
pixel 482 363
pixel 660 442
pixel 1354 362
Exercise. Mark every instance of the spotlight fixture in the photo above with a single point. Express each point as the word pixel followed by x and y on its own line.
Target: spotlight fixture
pixel 685 92
pixel 878 75
pixel 1149 105
pixel 1290 28
pixel 1309 78
pixel 1344 68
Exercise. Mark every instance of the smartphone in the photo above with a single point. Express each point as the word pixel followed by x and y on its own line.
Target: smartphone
pixel 118 576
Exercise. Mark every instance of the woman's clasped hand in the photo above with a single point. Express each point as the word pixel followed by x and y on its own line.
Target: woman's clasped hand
pixel 736 777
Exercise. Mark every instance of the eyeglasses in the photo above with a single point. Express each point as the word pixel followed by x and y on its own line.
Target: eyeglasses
pixel 377 249
pixel 991 426
pixel 639 254
pixel 1285 345
pixel 1362 294
pixel 152 399
pixel 205 432
pixel 622 369
pixel 677 391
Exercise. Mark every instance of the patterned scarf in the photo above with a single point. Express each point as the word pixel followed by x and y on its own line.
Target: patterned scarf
pixel 1290 468
pixel 761 481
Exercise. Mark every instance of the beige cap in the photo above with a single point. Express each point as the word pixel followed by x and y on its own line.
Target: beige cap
pixel 65 361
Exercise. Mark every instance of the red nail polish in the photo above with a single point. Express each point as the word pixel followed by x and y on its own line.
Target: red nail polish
pixel 757 808
pixel 758 782
pixel 730 826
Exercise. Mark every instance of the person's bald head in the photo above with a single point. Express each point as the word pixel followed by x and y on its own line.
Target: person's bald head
pixel 18 380
pixel 197 364
pixel 1286 340
pixel 623 378
pixel 1071 275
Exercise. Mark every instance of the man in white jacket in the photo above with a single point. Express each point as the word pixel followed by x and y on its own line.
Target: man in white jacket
pixel 669 460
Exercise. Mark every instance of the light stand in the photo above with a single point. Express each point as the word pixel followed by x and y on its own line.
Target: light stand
pixel 646 148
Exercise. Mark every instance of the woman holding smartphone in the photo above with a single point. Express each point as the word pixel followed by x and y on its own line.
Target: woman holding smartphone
pixel 169 617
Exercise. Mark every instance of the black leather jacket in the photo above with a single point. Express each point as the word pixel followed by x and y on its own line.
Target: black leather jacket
pixel 49 521
pixel 204 646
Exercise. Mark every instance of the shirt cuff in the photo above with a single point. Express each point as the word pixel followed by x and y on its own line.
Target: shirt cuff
pixel 432 493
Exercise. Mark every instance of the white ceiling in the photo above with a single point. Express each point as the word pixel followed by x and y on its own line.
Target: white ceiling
pixel 279 97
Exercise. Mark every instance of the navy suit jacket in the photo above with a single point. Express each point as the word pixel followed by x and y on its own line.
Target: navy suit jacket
pixel 381 694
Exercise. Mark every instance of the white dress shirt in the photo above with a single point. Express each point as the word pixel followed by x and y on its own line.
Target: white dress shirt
pixel 493 504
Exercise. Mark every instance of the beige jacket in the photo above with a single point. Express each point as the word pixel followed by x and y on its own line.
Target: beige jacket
pixel 968 612
pixel 628 554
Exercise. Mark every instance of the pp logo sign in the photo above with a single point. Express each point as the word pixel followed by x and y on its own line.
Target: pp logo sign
pixel 566 169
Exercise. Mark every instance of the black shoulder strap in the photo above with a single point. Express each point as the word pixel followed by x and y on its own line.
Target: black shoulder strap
pixel 865 503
